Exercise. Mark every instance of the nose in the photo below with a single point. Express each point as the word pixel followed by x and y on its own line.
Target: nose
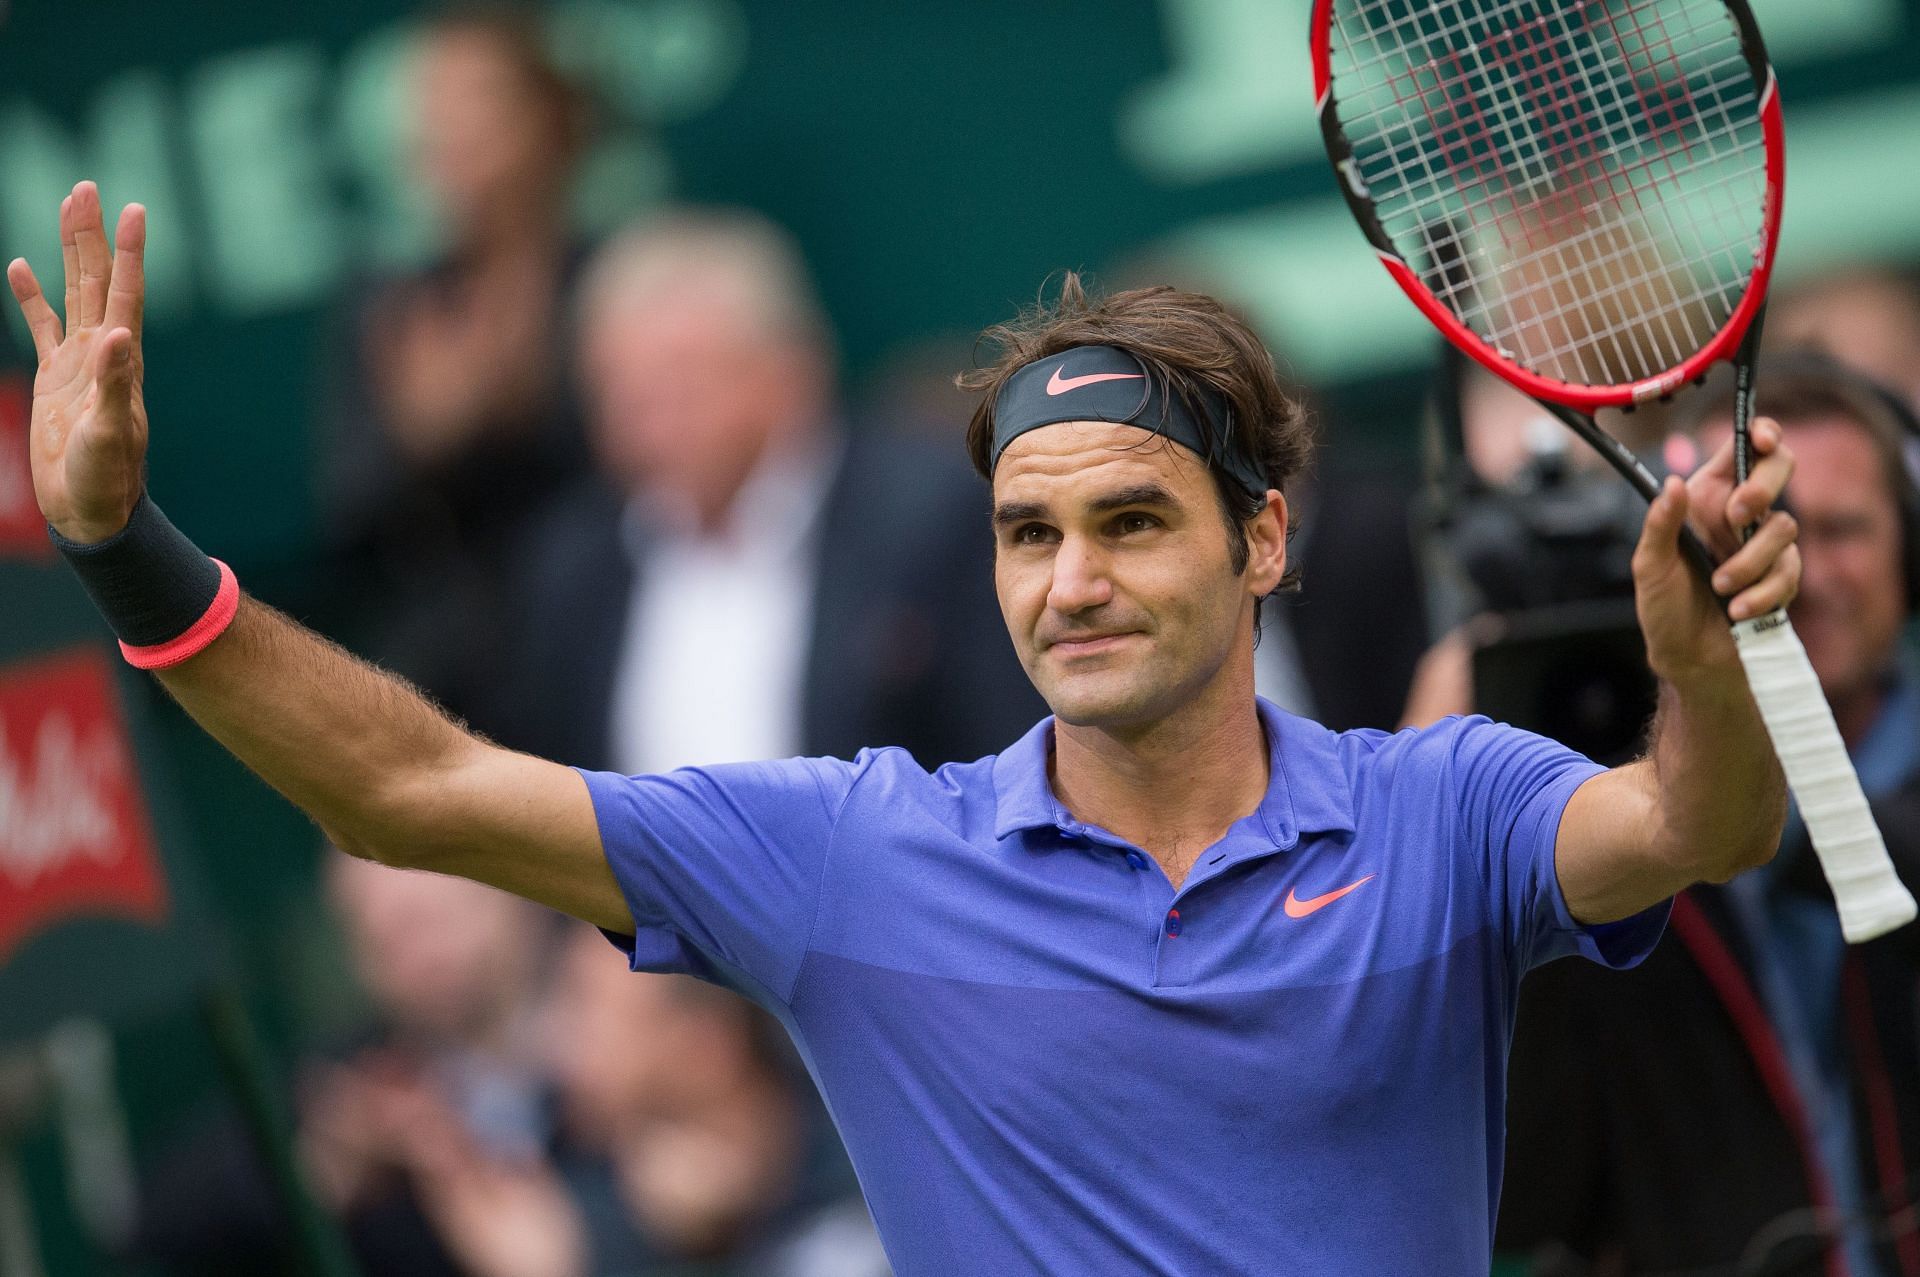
pixel 1080 579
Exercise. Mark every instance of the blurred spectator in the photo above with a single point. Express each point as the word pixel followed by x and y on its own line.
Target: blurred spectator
pixel 1528 539
pixel 431 1139
pixel 1343 649
pixel 747 577
pixel 1868 316
pixel 430 1136
pixel 449 416
pixel 1748 1100
pixel 698 1147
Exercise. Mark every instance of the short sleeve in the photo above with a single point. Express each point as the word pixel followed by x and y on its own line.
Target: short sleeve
pixel 721 867
pixel 1512 787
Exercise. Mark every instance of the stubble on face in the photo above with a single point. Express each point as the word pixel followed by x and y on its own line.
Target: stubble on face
pixel 1114 573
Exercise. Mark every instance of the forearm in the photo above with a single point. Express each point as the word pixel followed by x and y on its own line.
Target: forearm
pixel 349 744
pixel 1705 802
pixel 380 768
pixel 1718 799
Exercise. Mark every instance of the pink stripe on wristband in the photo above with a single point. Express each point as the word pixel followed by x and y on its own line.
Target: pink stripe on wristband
pixel 212 623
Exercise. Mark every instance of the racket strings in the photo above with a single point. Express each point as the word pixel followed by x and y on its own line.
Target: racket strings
pixel 1582 183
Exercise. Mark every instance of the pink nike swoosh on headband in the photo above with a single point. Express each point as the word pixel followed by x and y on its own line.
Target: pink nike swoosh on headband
pixel 1058 385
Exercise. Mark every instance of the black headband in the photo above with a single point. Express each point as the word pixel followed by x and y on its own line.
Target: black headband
pixel 1105 383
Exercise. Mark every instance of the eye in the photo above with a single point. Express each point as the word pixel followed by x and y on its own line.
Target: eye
pixel 1032 534
pixel 1135 521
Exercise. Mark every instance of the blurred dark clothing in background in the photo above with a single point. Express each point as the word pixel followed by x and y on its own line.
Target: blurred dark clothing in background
pixel 449 414
pixel 1654 1124
pixel 419 534
pixel 903 643
pixel 1358 625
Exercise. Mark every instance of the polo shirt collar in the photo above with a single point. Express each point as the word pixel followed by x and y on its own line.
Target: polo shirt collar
pixel 1307 788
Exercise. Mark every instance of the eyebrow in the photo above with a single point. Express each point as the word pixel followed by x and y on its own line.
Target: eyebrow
pixel 1137 494
pixel 1008 513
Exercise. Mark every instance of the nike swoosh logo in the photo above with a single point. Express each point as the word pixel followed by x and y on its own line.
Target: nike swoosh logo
pixel 1058 385
pixel 1298 908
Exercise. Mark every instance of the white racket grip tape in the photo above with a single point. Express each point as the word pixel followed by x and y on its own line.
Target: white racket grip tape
pixel 1871 898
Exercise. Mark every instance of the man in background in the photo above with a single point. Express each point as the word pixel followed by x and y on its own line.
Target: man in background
pixel 1868 315
pixel 746 576
pixel 1750 1095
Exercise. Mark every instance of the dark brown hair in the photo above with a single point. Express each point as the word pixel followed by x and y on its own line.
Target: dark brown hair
pixel 1799 385
pixel 1188 342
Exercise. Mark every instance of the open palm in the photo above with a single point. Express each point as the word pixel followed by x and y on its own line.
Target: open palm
pixel 89 435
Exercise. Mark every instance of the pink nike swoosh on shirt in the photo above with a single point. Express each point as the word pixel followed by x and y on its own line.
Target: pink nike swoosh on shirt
pixel 1298 908
pixel 1058 385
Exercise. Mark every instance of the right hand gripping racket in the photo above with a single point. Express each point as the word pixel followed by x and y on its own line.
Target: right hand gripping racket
pixel 1584 197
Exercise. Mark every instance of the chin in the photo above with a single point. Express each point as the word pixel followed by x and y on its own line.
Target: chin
pixel 1089 700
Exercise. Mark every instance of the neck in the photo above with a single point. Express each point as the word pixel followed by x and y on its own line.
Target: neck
pixel 1175 786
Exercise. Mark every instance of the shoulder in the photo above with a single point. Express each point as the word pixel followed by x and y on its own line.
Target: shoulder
pixel 1444 738
pixel 1444 758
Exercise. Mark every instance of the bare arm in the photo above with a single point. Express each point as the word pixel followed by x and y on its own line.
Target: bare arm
pixel 1709 799
pixel 387 775
pixel 382 770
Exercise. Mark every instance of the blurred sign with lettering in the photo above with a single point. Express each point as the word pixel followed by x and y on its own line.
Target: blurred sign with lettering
pixel 75 837
pixel 22 532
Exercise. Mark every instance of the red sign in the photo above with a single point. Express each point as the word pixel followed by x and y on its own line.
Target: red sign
pixel 75 839
pixel 23 533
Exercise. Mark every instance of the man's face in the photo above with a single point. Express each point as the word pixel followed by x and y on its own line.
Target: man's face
pixel 1852 601
pixel 1113 568
pixel 683 397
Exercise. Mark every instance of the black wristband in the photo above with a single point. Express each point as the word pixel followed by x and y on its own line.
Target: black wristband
pixel 162 595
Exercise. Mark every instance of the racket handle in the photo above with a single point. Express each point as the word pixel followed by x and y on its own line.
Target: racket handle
pixel 1871 898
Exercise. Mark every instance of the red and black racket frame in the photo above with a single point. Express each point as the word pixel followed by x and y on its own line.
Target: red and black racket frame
pixel 1574 404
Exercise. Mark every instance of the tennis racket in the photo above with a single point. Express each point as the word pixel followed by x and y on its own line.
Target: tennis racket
pixel 1584 197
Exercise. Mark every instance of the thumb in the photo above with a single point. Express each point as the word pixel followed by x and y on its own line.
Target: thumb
pixel 1659 544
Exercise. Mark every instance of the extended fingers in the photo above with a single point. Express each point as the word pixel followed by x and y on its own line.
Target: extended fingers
pixel 127 295
pixel 96 259
pixel 41 321
pixel 1765 572
pixel 1767 478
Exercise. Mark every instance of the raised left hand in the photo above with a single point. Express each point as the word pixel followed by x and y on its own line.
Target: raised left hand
pixel 1685 629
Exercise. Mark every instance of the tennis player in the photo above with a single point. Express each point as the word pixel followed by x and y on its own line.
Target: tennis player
pixel 1178 983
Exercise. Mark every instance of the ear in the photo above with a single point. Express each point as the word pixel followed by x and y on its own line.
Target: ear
pixel 1267 541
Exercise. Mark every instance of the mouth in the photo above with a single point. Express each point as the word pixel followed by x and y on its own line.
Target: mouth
pixel 1088 645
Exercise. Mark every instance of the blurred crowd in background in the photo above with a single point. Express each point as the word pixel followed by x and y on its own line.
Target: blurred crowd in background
pixel 609 503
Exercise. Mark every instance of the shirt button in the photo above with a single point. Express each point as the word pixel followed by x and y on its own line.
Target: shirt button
pixel 1137 860
pixel 1173 922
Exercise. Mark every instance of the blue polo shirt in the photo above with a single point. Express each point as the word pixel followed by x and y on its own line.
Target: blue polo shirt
pixel 1044 1059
